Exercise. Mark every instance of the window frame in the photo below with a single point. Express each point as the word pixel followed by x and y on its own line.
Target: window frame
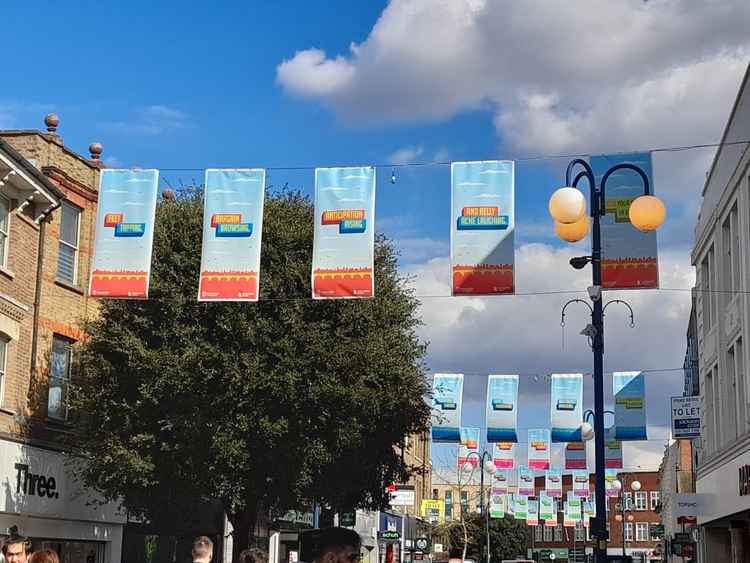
pixel 639 526
pixel 4 342
pixel 6 242
pixel 558 533
pixel 76 248
pixel 548 534
pixel 628 531
pixel 640 496
pixel 64 380
pixel 654 499
pixel 538 533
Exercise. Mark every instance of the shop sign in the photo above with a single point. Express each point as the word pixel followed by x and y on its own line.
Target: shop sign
pixel 390 535
pixel 686 417
pixel 403 495
pixel 422 544
pixel 297 517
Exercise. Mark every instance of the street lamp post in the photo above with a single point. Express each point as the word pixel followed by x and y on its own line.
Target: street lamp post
pixel 635 486
pixel 485 464
pixel 568 207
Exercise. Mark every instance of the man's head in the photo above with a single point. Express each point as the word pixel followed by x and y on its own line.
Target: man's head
pixel 203 550
pixel 337 545
pixel 253 555
pixel 16 549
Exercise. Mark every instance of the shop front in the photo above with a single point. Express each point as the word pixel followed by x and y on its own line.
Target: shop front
pixel 390 537
pixel 42 500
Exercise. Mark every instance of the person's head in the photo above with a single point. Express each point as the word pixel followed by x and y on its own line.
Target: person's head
pixel 203 549
pixel 337 545
pixel 16 549
pixel 253 555
pixel 44 556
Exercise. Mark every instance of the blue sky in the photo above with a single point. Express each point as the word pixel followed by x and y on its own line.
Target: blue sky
pixel 171 85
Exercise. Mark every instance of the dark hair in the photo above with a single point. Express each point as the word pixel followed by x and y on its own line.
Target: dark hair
pixel 203 547
pixel 253 555
pixel 315 543
pixel 15 538
pixel 44 556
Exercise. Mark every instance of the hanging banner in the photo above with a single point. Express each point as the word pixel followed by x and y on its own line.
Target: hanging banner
pixel 580 479
pixel 343 245
pixel 589 509
pixel 526 481
pixel 610 476
pixel 546 506
pixel 554 521
pixel 575 455
pixel 482 227
pixel 469 446
pixel 503 455
pixel 566 407
pixel 553 481
pixel 629 256
pixel 538 456
pixel 121 265
pixel 511 503
pixel 232 228
pixel 630 405
pixel 497 504
pixel 532 513
pixel 568 522
pixel 612 450
pixel 447 394
pixel 574 507
pixel 512 480
pixel 521 507
pixel 502 401
pixel 500 481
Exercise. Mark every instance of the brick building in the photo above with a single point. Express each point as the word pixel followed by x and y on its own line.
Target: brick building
pixel 48 197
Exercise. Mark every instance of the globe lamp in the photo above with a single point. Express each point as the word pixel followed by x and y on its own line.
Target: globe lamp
pixel 573 232
pixel 567 205
pixel 647 213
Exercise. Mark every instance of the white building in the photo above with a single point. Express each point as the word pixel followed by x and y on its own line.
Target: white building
pixel 722 259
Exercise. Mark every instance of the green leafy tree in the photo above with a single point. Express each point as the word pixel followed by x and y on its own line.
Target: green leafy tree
pixel 509 537
pixel 258 406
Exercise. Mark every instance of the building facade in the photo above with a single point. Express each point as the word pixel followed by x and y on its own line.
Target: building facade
pixel 721 256
pixel 677 481
pixel 48 196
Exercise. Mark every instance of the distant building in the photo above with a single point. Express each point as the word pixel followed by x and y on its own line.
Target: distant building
pixel 690 365
pixel 677 484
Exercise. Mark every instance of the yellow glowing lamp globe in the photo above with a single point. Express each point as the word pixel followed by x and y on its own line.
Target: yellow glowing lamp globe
pixel 647 213
pixel 573 232
pixel 567 205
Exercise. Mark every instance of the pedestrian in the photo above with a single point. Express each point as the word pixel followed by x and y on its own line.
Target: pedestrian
pixel 336 545
pixel 16 548
pixel 44 556
pixel 203 550
pixel 253 555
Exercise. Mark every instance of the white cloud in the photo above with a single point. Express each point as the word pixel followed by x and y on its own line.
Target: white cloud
pixel 151 120
pixel 406 155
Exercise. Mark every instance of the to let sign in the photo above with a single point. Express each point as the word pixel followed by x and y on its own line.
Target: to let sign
pixel 686 417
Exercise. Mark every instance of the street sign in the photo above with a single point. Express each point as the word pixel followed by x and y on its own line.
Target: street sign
pixel 403 495
pixel 422 544
pixel 686 417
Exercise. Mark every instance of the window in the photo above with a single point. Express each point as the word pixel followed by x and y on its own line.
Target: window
pixel 654 499
pixel 580 532
pixel 628 531
pixel 547 533
pixel 538 533
pixel 731 247
pixel 729 396
pixel 59 379
pixel 709 438
pixel 3 354
pixel 707 298
pixel 640 500
pixel 448 504
pixel 4 229
pixel 464 503
pixel 641 531
pixel 559 532
pixel 628 500
pixel 67 258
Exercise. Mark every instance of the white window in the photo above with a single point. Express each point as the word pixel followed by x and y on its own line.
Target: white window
pixel 641 531
pixel 4 229
pixel 538 533
pixel 548 533
pixel 559 532
pixel 3 355
pixel 59 378
pixel 731 248
pixel 628 531
pixel 640 500
pixel 67 258
pixel 628 500
pixel 580 532
pixel 654 500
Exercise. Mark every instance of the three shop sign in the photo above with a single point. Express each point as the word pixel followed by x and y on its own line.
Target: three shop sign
pixel 686 417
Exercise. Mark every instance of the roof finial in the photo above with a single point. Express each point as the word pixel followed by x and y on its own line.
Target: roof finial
pixel 51 120
pixel 96 151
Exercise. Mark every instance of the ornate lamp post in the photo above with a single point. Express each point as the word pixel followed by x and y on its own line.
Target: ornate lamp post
pixel 486 465
pixel 568 207
pixel 635 486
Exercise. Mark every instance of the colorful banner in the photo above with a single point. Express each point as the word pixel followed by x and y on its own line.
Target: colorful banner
pixel 343 246
pixel 629 256
pixel 526 481
pixel 512 480
pixel 610 476
pixel 575 455
pixel 521 507
pixel 574 507
pixel 469 446
pixel 568 522
pixel 612 450
pixel 539 444
pixel 498 504
pixel 447 395
pixel 566 409
pixel 503 455
pixel 589 509
pixel 232 229
pixel 554 521
pixel 482 227
pixel 580 479
pixel 532 513
pixel 553 479
pixel 124 233
pixel 501 481
pixel 630 405
pixel 511 506
pixel 547 506
pixel 502 408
